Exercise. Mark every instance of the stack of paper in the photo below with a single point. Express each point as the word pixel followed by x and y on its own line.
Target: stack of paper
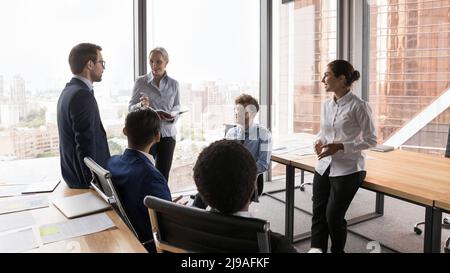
pixel 16 220
pixel 22 203
pixel 9 190
pixel 18 241
pixel 74 228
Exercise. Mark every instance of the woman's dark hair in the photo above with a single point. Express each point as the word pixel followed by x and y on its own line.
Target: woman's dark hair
pixel 142 126
pixel 342 67
pixel 81 54
pixel 225 175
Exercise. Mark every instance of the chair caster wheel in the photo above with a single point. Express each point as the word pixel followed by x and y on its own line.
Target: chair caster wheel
pixel 417 230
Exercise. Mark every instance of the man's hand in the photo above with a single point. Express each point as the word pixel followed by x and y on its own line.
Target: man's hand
pixel 330 149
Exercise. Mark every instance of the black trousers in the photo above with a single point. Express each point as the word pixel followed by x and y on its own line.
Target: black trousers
pixel 199 203
pixel 331 198
pixel 163 154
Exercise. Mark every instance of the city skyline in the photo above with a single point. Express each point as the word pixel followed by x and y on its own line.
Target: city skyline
pixel 41 56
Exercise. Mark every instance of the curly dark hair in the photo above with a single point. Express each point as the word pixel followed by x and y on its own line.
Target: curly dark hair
pixel 225 175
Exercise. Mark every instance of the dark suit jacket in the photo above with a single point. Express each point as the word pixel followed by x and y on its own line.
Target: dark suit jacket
pixel 81 133
pixel 135 177
pixel 280 244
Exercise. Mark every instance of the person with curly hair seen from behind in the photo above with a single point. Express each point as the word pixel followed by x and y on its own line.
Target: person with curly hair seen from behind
pixel 225 174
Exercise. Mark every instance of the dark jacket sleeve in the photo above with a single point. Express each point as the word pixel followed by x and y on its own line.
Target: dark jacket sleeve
pixel 280 244
pixel 157 186
pixel 83 111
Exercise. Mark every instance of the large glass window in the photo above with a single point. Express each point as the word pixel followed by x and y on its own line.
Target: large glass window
pixel 304 42
pixel 409 84
pixel 214 55
pixel 37 37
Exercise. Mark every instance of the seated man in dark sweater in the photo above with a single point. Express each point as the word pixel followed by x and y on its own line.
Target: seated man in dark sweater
pixel 134 174
pixel 225 174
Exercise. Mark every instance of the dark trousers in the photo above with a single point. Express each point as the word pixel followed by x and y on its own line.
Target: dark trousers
pixel 163 154
pixel 331 198
pixel 199 203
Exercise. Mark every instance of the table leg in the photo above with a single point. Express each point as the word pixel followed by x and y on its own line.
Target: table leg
pixel 432 236
pixel 289 205
pixel 379 203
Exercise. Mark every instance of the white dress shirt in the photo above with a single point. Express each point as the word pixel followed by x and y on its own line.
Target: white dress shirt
pixel 348 121
pixel 86 81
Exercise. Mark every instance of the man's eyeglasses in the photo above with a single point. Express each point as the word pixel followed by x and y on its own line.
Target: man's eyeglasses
pixel 103 63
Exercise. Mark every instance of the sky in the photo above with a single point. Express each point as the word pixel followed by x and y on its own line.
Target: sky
pixel 206 39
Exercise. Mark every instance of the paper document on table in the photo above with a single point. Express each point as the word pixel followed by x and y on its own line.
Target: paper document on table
pixel 14 204
pixel 12 177
pixel 16 220
pixel 18 241
pixel 7 191
pixel 39 187
pixel 73 228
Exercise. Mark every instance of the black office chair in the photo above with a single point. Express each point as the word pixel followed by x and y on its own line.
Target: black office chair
pixel 177 229
pixel 102 184
pixel 445 221
pixel 447 245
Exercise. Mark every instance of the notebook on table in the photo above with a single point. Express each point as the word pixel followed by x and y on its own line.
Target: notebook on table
pixel 41 187
pixel 80 205
pixel 382 148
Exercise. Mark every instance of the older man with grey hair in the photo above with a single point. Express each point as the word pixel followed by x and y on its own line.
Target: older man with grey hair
pixel 160 92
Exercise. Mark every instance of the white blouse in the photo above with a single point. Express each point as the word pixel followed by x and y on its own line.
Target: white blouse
pixel 348 121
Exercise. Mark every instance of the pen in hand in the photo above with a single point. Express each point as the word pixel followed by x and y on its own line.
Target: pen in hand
pixel 144 100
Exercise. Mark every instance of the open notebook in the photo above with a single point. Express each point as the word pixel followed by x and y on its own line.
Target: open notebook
pixel 80 205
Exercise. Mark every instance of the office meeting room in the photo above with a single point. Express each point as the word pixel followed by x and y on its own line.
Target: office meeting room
pixel 296 127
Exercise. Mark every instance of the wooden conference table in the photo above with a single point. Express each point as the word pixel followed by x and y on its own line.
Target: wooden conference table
pixel 117 239
pixel 413 177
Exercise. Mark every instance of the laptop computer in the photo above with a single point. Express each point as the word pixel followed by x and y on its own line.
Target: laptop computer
pixel 80 205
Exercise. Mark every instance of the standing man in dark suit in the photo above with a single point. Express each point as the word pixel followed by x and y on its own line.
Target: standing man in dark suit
pixel 81 131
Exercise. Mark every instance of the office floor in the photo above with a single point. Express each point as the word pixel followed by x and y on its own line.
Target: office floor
pixel 393 230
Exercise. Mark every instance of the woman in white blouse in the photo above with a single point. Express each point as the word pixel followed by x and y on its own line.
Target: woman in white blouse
pixel 346 128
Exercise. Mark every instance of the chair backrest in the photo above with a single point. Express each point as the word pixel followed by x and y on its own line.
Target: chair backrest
pixel 228 126
pixel 178 228
pixel 447 150
pixel 101 182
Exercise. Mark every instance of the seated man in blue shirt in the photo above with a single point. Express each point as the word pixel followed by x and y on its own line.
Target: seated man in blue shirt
pixel 256 139
pixel 134 174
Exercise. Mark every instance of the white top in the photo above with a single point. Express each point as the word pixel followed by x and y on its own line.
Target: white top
pixel 348 121
pixel 165 97
pixel 149 156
